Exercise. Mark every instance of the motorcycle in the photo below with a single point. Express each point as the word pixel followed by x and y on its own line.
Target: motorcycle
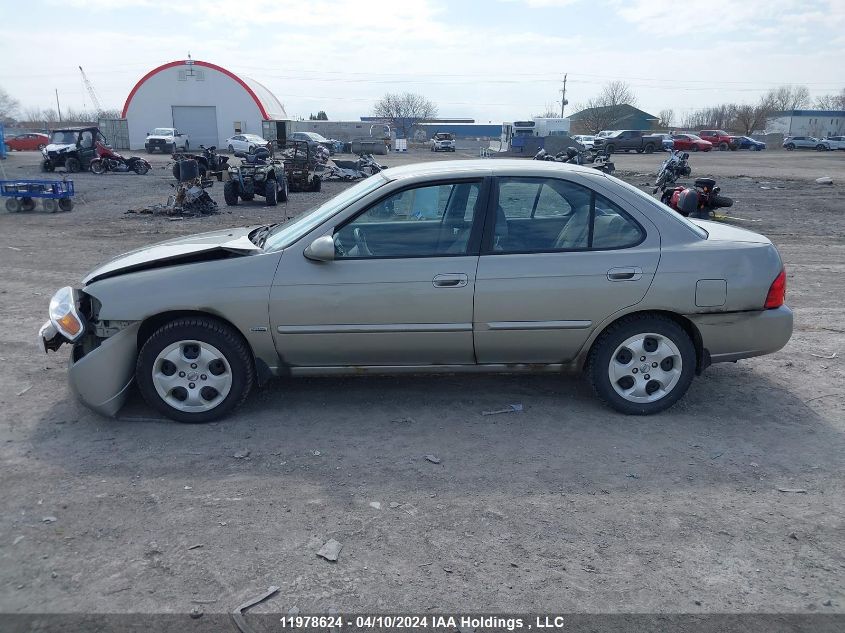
pixel 209 160
pixel 596 159
pixel 675 166
pixel 109 160
pixel 698 201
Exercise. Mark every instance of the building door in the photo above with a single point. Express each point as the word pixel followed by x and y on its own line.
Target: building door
pixel 198 122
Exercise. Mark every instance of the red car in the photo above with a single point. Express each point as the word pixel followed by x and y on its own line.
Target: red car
pixel 719 138
pixel 28 141
pixel 691 143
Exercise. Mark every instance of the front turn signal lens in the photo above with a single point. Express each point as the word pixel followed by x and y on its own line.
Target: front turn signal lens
pixel 64 314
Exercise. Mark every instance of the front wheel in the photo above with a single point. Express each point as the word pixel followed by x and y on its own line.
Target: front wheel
pixel 231 149
pixel 47 166
pixel 820 148
pixel 649 148
pixel 610 149
pixel 790 147
pixel 642 364
pixel 316 184
pixel 98 166
pixel 230 193
pixel 195 369
pixel 141 167
pixel 270 193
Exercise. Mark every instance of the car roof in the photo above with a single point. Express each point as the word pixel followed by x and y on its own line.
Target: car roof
pixel 488 167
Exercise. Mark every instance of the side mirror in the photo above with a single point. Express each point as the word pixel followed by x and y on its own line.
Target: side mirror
pixel 321 249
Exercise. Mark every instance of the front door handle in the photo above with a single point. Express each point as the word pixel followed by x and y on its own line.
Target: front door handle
pixel 450 280
pixel 626 273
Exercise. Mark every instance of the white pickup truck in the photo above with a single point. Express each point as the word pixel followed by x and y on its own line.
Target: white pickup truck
pixel 166 139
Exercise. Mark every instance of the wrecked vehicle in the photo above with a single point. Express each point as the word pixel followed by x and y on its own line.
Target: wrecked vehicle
pixel 257 175
pixel 301 167
pixel 71 148
pixel 208 161
pixel 485 266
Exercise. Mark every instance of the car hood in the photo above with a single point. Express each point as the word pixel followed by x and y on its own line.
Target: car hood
pixel 59 147
pixel 182 250
pixel 159 136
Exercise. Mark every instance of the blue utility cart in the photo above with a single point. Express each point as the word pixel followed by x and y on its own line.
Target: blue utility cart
pixel 55 194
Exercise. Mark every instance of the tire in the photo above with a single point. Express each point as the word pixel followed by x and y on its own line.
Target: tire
pixel 723 146
pixel 649 149
pixel 316 184
pixel 98 166
pixel 149 150
pixel 231 149
pixel 13 205
pixel 820 148
pixel 41 146
pixel 65 204
pixel 610 148
pixel 72 165
pixel 790 147
pixel 612 347
pixel 695 148
pixel 230 193
pixel 722 202
pixel 173 148
pixel 187 146
pixel 140 168
pixel 250 150
pixel 202 170
pixel 50 206
pixel 175 170
pixel 283 194
pixel 270 193
pixel 28 204
pixel 47 166
pixel 217 348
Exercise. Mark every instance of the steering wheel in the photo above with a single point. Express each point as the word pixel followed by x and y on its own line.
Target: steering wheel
pixel 361 242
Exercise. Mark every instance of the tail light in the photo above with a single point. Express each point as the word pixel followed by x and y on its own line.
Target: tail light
pixel 777 292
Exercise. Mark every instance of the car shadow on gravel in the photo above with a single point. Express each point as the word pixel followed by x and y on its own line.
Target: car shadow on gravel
pixel 733 427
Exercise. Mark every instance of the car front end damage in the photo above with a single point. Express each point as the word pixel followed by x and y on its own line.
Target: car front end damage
pixel 101 367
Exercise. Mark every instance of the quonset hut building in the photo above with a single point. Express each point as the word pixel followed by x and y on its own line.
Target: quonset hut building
pixel 200 99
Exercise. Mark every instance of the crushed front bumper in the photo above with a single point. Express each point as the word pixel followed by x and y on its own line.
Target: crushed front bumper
pixel 101 377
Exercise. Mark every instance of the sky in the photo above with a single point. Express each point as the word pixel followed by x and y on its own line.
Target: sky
pixel 491 60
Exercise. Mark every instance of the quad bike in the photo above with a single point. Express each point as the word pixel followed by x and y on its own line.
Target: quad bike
pixel 698 201
pixel 257 175
pixel 208 161
pixel 109 160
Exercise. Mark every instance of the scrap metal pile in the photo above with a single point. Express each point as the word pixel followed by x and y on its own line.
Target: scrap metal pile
pixel 364 167
pixel 189 199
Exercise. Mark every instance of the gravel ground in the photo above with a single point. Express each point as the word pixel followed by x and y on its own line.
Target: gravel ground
pixel 567 506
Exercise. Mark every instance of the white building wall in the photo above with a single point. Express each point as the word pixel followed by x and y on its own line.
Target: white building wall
pixel 816 125
pixel 150 106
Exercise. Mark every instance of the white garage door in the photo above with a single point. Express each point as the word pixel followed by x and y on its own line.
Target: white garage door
pixel 198 122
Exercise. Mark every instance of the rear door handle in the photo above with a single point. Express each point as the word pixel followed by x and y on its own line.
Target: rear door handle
pixel 626 273
pixel 450 280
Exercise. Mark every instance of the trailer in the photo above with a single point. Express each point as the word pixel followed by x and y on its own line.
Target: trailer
pixel 55 195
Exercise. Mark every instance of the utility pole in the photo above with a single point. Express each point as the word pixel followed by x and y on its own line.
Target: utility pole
pixel 563 100
pixel 58 107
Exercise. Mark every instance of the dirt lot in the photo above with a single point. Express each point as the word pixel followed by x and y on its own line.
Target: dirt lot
pixel 565 507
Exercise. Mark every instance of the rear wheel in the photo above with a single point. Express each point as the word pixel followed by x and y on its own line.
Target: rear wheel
pixel 65 204
pixel 649 148
pixel 642 364
pixel 790 146
pixel 695 148
pixel 820 148
pixel 175 170
pixel 231 149
pixel 41 146
pixel 195 369
pixel 723 146
pixel 230 193
pixel 610 149
pixel 28 204
pixel 283 192
pixel 316 184
pixel 72 165
pixel 50 206
pixel 13 205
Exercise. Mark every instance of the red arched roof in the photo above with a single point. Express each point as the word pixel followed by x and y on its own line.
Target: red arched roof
pixel 197 62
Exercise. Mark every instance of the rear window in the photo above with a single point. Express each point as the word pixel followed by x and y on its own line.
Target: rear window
pixel 662 208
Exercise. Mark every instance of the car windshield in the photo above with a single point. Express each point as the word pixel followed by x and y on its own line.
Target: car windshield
pixel 62 137
pixel 286 234
pixel 588 138
pixel 318 138
pixel 162 131
pixel 442 136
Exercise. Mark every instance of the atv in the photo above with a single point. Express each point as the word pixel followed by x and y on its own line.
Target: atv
pixel 300 167
pixel 72 148
pixel 257 175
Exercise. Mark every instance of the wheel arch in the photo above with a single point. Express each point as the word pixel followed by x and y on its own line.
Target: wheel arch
pixel 153 322
pixel 702 356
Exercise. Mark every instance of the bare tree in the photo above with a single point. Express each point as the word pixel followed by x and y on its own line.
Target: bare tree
pixel 602 111
pixel 403 111
pixel 831 102
pixel 748 118
pixel 787 98
pixel 666 115
pixel 549 113
pixel 8 106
